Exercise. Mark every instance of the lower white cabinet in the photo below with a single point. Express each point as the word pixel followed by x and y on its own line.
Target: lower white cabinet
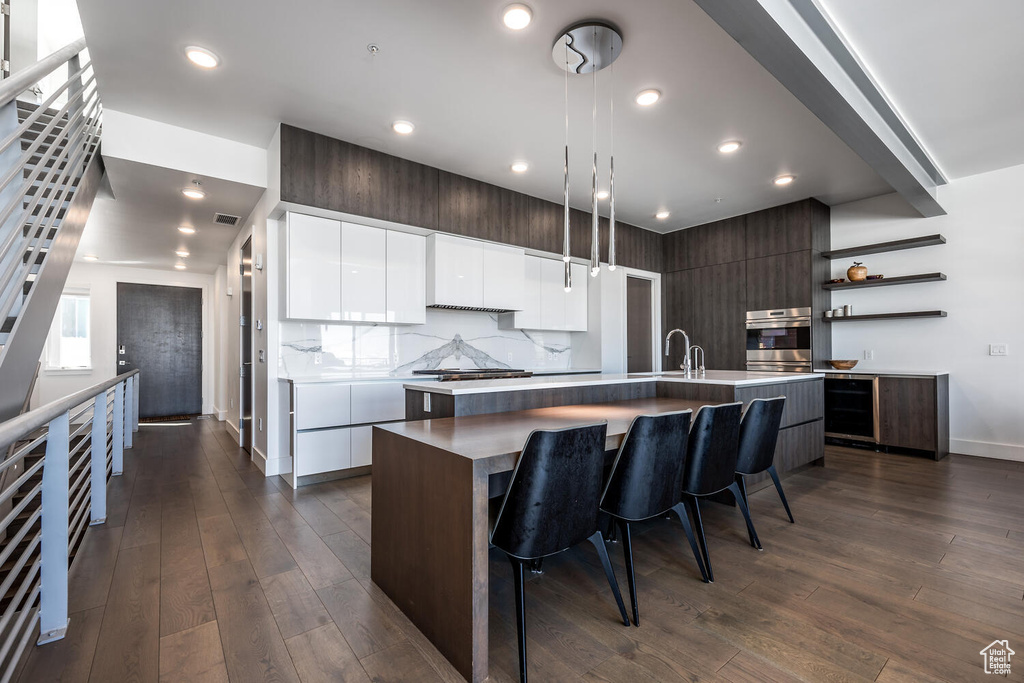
pixel 378 402
pixel 362 446
pixel 322 405
pixel 322 450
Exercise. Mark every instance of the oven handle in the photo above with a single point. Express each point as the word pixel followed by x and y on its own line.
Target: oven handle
pixel 777 324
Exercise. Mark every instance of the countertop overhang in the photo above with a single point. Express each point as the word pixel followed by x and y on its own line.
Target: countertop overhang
pixel 735 378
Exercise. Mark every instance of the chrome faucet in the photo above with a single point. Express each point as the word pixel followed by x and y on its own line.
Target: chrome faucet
pixel 698 365
pixel 685 367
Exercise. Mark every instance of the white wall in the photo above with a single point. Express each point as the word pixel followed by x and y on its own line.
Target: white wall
pixel 101 281
pixel 984 262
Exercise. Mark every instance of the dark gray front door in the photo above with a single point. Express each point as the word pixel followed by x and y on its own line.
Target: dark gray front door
pixel 160 332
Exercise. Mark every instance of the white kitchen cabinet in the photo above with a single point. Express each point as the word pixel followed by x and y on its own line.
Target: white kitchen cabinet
pixel 455 272
pixel 313 250
pixel 362 446
pixel 528 317
pixel 378 402
pixel 322 405
pixel 363 273
pixel 323 450
pixel 503 277
pixel 406 278
pixel 552 295
pixel 576 300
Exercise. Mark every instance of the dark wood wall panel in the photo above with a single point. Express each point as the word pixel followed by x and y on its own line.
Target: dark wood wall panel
pixel 783 280
pixel 320 171
pixel 706 245
pixel 710 304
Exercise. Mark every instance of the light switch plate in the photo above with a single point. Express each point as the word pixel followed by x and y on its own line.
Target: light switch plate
pixel 999 349
pixel 869 354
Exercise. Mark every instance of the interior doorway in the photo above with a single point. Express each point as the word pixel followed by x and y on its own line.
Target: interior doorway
pixel 160 333
pixel 245 336
pixel 639 324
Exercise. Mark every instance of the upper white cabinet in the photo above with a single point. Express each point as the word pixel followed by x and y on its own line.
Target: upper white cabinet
pixel 546 304
pixel 406 278
pixel 314 268
pixel 576 300
pixel 465 273
pixel 552 295
pixel 503 277
pixel 363 273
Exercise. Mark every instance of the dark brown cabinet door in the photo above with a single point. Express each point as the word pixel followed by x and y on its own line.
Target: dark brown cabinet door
pixel 779 230
pixel 470 207
pixel 709 303
pixel 706 245
pixel 782 281
pixel 908 412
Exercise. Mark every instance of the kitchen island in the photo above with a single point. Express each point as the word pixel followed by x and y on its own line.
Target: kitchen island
pixel 435 474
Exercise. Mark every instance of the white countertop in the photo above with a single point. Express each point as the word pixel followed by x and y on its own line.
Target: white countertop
pixel 384 376
pixel 870 371
pixel 734 378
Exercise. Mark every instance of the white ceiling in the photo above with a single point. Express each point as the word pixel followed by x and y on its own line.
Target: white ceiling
pixel 954 70
pixel 139 225
pixel 482 96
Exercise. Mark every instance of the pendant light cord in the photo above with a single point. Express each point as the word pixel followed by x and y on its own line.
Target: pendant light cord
pixel 595 245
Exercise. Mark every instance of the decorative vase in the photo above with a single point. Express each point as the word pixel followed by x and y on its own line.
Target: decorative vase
pixel 857 272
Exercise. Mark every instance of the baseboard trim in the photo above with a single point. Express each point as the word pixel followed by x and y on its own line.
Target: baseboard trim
pixel 985 449
pixel 233 428
pixel 260 460
pixel 220 414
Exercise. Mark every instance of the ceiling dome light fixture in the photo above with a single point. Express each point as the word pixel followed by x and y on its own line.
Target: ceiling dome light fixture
pixel 517 16
pixel 662 215
pixel 186 229
pixel 729 146
pixel 202 57
pixel 520 167
pixel 646 98
pixel 179 266
pixel 194 192
pixel 181 253
pixel 90 257
pixel 784 179
pixel 403 127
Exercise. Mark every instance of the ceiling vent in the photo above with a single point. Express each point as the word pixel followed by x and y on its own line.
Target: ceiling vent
pixel 226 219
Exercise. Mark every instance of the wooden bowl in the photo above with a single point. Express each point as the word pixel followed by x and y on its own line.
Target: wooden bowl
pixel 843 364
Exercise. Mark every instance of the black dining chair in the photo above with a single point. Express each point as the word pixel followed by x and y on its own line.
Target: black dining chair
pixel 759 432
pixel 551 505
pixel 645 481
pixel 712 452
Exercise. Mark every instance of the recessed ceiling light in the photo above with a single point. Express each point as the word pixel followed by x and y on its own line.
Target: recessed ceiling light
pixel 194 192
pixel 517 17
pixel 730 146
pixel 602 194
pixel 186 229
pixel 179 266
pixel 202 57
pixel 662 215
pixel 784 179
pixel 182 253
pixel 90 257
pixel 646 98
pixel 520 167
pixel 403 127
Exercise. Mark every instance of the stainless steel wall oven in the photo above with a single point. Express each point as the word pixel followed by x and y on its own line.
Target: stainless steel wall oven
pixel 779 340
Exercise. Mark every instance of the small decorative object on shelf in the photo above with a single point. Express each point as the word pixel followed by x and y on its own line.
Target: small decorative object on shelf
pixel 857 272
pixel 837 280
pixel 843 364
pixel 875 277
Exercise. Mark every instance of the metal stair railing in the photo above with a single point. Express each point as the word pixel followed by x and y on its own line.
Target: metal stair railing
pixel 68 450
pixel 58 147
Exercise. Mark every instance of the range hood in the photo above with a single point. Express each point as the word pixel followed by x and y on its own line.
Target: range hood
pixel 470 275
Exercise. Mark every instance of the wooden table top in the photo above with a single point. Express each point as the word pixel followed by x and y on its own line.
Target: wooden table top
pixel 497 436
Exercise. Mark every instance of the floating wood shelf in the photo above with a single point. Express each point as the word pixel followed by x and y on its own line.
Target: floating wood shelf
pixel 887 316
pixel 884 282
pixel 881 247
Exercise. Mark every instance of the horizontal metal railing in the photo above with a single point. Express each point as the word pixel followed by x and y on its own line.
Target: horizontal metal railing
pixel 63 454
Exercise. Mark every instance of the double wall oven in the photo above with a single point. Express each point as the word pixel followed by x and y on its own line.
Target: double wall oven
pixel 779 340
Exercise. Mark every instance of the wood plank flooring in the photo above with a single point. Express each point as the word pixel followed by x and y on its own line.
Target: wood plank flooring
pixel 898 569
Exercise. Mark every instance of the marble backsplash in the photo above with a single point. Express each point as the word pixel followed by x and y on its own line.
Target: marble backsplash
pixel 449 339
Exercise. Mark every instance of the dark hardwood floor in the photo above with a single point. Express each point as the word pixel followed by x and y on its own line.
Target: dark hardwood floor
pixel 898 569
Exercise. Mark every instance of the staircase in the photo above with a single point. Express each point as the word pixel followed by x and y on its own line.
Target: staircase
pixel 50 172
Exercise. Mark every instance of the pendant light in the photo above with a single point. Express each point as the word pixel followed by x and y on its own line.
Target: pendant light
pixel 581 49
pixel 611 162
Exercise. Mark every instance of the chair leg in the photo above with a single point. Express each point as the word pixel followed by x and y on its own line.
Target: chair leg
pixel 699 531
pixel 741 481
pixel 680 511
pixel 627 553
pixel 778 486
pixel 520 596
pixel 598 541
pixel 742 504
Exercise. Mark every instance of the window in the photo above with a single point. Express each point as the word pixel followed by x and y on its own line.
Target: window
pixel 69 344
